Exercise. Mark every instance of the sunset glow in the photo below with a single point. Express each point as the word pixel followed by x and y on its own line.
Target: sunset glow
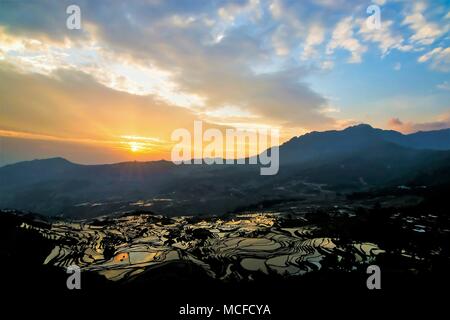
pixel 118 91
pixel 134 146
pixel 157 153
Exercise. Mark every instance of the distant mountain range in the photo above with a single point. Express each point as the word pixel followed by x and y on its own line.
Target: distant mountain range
pixel 312 165
pixel 358 138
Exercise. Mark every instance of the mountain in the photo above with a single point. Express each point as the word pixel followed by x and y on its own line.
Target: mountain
pixel 361 156
pixel 352 139
pixel 35 171
pixel 432 140
pixel 51 185
pixel 317 165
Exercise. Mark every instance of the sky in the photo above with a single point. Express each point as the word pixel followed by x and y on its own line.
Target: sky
pixel 135 71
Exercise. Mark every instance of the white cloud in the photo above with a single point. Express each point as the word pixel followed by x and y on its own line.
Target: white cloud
pixel 444 86
pixel 209 51
pixel 230 12
pixel 316 35
pixel 111 70
pixel 330 109
pixel 397 66
pixel 343 37
pixel 276 9
pixel 181 22
pixel 425 32
pixel 439 59
pixel 327 65
pixel 384 37
pixel 280 41
pixel 379 2
pixel 334 4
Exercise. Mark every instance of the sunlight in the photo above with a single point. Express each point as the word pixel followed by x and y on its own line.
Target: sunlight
pixel 134 146
pixel 141 144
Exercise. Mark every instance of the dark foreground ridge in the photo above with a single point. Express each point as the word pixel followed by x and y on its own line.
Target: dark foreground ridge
pixel 276 257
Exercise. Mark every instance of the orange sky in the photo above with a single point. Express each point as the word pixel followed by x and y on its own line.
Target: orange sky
pixel 117 88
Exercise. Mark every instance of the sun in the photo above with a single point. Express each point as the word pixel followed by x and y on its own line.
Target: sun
pixel 134 146
pixel 138 144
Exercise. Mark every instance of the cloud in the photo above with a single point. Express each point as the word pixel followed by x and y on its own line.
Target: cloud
pixel 336 4
pixel 45 20
pixel 327 65
pixel 280 41
pixel 384 37
pixel 278 97
pixel 72 105
pixel 442 122
pixel 200 55
pixel 439 59
pixel 114 71
pixel 174 55
pixel 316 35
pixel 71 115
pixel 444 86
pixel 343 38
pixel 425 32
pixel 395 123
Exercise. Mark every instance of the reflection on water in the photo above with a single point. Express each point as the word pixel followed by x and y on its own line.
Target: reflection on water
pixel 234 248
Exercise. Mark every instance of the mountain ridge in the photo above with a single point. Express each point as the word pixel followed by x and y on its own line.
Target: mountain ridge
pixel 355 159
pixel 416 140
